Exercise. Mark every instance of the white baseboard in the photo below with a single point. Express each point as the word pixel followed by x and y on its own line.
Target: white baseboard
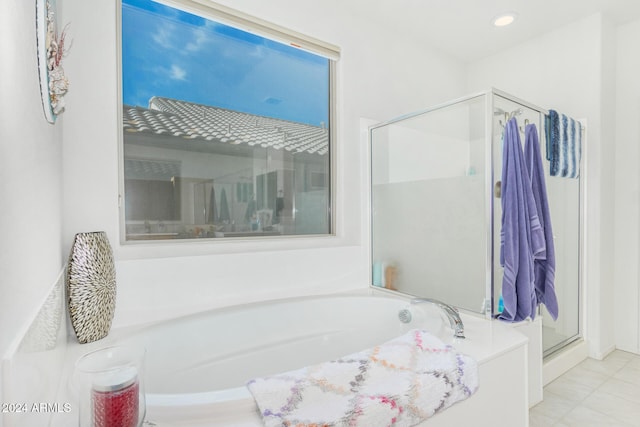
pixel 601 355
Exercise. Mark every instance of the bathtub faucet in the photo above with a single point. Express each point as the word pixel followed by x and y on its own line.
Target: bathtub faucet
pixel 452 314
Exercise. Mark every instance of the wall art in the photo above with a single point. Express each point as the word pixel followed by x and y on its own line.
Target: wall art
pixel 52 47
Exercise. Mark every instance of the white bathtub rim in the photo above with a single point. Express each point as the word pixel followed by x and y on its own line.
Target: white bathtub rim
pixel 124 331
pixel 221 403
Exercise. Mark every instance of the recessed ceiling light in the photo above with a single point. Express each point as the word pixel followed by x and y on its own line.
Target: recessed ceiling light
pixel 504 19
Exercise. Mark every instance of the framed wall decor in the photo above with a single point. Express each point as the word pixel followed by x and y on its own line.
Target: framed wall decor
pixel 51 48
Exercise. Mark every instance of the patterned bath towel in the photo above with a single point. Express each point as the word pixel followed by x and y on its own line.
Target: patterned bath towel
pixel 399 383
pixel 564 144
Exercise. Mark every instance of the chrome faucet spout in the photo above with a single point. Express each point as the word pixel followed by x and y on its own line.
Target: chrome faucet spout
pixel 452 314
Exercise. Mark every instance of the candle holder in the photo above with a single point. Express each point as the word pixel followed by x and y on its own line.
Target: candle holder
pixel 111 387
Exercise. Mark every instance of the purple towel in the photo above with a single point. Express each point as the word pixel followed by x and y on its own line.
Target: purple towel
pixel 521 237
pixel 545 268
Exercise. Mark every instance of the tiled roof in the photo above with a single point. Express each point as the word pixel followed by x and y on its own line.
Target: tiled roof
pixel 220 126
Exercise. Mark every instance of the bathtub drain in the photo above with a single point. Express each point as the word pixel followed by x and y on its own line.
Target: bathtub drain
pixel 405 315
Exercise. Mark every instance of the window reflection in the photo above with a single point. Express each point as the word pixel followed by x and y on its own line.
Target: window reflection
pixel 232 138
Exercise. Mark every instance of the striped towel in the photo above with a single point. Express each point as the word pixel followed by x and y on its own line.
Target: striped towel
pixel 564 144
pixel 401 383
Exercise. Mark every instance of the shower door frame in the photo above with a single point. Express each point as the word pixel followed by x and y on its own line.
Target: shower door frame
pixel 490 306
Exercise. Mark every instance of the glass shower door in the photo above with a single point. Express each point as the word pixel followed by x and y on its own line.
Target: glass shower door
pixel 564 203
pixel 430 225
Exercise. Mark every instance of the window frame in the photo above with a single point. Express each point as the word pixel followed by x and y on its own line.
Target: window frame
pixel 262 28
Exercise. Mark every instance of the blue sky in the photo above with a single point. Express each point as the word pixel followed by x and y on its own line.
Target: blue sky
pixel 170 53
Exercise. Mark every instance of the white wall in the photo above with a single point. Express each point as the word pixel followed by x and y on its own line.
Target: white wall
pixel 626 186
pixel 155 281
pixel 602 293
pixel 564 70
pixel 30 184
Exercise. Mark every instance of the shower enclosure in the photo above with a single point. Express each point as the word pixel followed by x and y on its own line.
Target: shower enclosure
pixel 436 213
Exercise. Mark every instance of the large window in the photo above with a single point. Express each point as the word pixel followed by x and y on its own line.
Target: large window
pixel 226 132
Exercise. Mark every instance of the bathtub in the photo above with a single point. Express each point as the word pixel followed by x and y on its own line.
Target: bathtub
pixel 197 366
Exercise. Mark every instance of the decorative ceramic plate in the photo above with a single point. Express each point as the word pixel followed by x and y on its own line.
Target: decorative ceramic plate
pixel 52 47
pixel 45 26
pixel 91 286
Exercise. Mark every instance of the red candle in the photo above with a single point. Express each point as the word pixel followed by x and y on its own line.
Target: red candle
pixel 115 403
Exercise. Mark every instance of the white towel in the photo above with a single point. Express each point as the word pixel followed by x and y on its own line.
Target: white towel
pixel 400 383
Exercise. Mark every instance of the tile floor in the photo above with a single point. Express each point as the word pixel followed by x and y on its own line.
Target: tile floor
pixel 595 393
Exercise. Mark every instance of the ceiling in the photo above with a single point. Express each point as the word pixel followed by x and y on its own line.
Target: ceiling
pixel 463 28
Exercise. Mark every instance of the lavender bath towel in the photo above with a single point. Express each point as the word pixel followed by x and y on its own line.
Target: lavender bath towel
pixel 521 237
pixel 544 267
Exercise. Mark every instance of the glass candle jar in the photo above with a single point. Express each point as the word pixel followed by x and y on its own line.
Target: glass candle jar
pixel 111 387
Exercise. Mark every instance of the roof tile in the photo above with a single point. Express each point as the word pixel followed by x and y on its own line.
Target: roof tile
pixel 219 125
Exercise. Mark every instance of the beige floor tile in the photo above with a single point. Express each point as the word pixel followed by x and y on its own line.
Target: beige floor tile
pixel 634 362
pixel 620 388
pixel 553 406
pixel 569 388
pixel 585 376
pixel 623 410
pixel 595 393
pixel 537 419
pixel 584 416
pixel 620 355
pixel 630 374
pixel 608 366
